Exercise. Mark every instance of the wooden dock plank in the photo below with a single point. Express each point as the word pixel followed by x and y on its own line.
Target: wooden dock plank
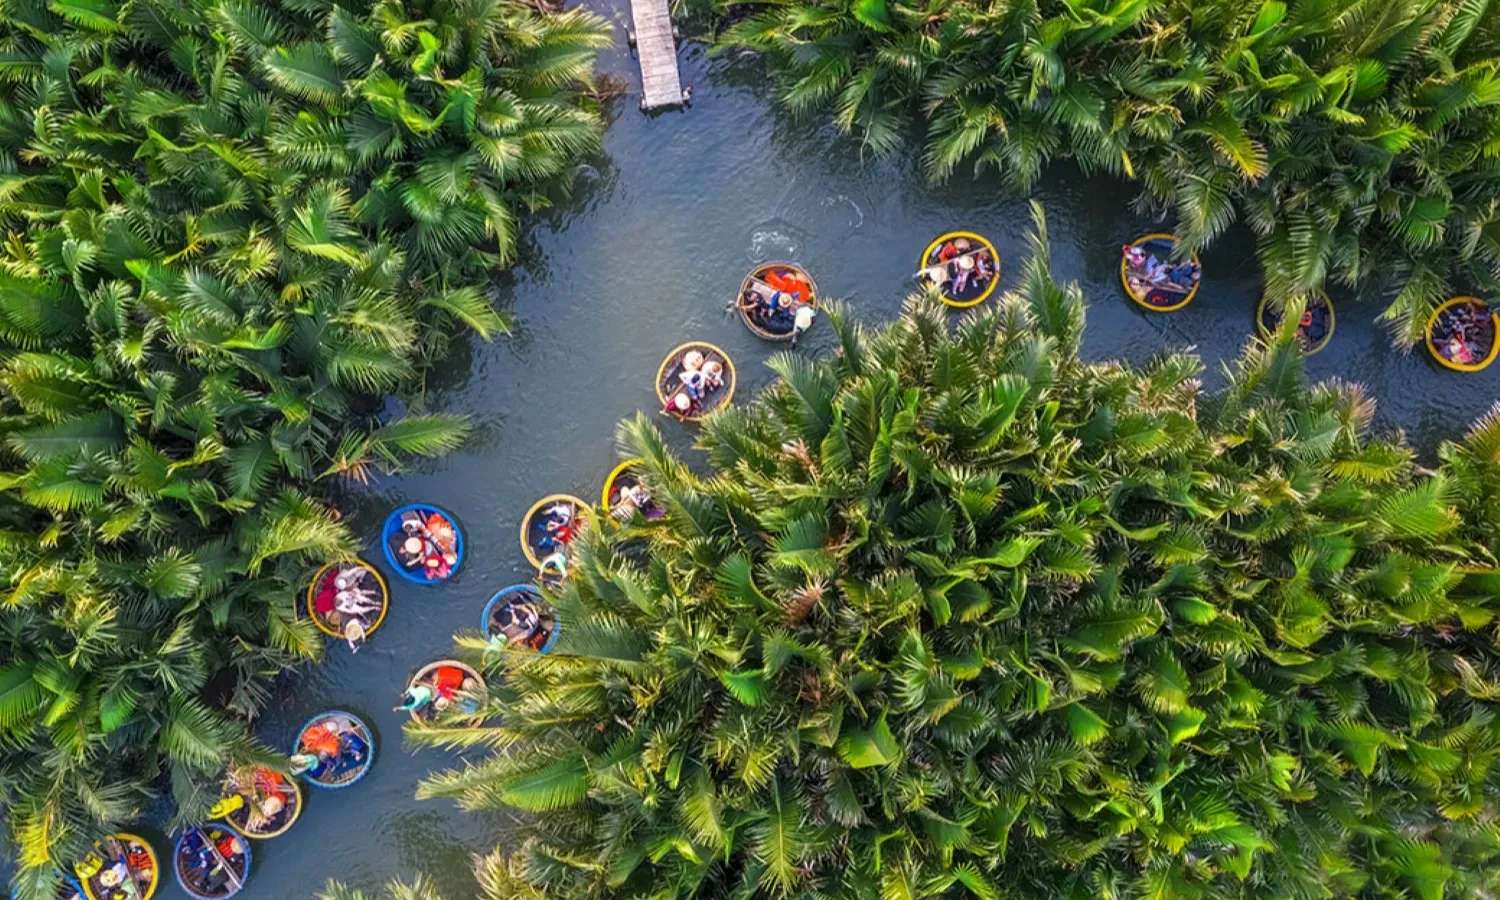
pixel 657 52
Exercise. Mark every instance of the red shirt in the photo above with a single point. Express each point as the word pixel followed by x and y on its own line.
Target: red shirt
pixel 447 680
pixel 787 283
pixel 323 600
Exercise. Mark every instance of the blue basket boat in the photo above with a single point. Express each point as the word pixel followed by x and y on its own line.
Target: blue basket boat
pixel 548 628
pixel 229 874
pixel 391 535
pixel 338 776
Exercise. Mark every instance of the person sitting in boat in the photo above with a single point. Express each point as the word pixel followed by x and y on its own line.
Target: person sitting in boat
pixel 356 602
pixel 260 789
pixel 116 882
pixel 518 622
pixel 557 526
pixel 1464 333
pixel 1135 258
pixel 629 499
pixel 1183 275
pixel 679 405
pixel 553 569
pixel 779 314
pixel 416 699
pixel 713 376
pixel 693 382
pixel 354 633
pixel 965 266
pixel 205 872
pixel 1457 350
pixel 1314 324
pixel 984 265
pixel 787 281
pixel 802 321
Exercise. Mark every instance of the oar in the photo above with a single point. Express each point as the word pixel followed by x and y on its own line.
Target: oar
pixel 223 863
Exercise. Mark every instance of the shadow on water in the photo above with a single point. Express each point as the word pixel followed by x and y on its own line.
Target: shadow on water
pixel 647 251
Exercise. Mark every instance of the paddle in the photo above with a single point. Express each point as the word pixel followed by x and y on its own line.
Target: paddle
pixel 131 890
pixel 219 860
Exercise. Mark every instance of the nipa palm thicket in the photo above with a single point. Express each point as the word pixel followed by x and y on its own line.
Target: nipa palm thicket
pixel 958 614
pixel 1360 139
pixel 226 222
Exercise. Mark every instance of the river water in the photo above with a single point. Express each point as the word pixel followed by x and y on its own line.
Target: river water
pixel 647 252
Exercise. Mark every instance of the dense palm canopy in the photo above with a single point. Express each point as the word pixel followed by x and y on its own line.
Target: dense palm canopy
pixel 498 878
pixel 1360 140
pixel 955 613
pixel 227 223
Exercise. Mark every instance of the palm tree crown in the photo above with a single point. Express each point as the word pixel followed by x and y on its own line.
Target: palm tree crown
pixel 954 613
pixel 226 223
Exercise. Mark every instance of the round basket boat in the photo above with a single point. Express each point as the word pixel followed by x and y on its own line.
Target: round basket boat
pixel 356 750
pixel 211 862
pixel 444 686
pixel 964 265
pixel 541 525
pixel 264 783
pixel 669 380
pixel 1316 329
pixel 1464 325
pixel 519 616
pixel 323 589
pixel 761 287
pixel 622 478
pixel 141 867
pixel 439 534
pixel 1165 297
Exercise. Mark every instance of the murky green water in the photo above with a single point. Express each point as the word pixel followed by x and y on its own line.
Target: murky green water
pixel 652 246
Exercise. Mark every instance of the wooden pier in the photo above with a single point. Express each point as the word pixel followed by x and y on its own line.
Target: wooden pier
pixel 656 49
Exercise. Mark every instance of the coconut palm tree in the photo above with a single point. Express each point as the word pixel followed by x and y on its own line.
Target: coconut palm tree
pixel 227 224
pixel 955 613
pixel 496 875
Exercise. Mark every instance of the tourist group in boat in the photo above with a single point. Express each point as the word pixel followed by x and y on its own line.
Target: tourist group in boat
pixel 424 544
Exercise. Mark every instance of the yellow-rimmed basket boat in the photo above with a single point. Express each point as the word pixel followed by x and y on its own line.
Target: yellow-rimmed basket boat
pixel 1164 298
pixel 263 781
pixel 976 290
pixel 534 533
pixel 144 870
pixel 764 282
pixel 1311 337
pixel 668 380
pixel 430 676
pixel 619 478
pixel 1439 319
pixel 332 622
